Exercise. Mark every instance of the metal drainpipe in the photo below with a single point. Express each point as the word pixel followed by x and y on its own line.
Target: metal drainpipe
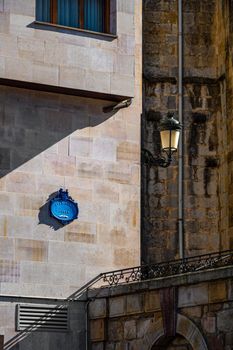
pixel 181 147
pixel 87 313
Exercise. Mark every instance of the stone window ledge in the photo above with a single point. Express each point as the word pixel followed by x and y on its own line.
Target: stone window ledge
pixel 74 30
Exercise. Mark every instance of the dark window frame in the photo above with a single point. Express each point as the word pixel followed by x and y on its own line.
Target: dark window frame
pixel 106 17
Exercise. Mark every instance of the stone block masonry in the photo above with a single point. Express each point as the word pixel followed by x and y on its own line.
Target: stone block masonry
pixel 207 145
pixel 43 55
pixel 51 141
pixel 203 310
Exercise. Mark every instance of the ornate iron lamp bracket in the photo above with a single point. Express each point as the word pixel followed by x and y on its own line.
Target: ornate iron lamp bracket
pixel 169 129
pixel 158 160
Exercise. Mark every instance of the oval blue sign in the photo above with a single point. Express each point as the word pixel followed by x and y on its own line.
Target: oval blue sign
pixel 63 207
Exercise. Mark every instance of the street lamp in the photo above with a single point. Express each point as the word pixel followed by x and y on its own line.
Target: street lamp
pixel 169 129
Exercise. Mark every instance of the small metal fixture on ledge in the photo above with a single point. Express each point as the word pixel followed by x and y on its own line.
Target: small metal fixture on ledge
pixel 169 129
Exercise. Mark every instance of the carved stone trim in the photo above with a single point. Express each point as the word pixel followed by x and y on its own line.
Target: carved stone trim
pixel 155 336
pixel 169 300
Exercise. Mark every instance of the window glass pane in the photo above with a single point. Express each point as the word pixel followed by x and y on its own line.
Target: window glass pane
pixel 43 10
pixel 93 15
pixel 67 13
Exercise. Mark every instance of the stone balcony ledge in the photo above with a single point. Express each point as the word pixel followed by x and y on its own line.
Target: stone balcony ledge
pixel 163 282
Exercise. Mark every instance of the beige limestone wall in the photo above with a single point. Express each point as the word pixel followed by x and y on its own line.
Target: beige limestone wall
pixel 67 58
pixel 50 141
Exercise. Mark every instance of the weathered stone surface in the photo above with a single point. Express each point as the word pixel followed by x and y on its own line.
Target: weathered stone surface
pixel 117 306
pixel 152 301
pixel 97 309
pixel 98 346
pixel 143 326
pixel 126 255
pixel 224 320
pixel 106 192
pixel 217 291
pixel 97 330
pixel 7 248
pixel 127 151
pixel 190 331
pixel 193 295
pixel 130 330
pixel 1 6
pixel 134 303
pixel 7 312
pixel 80 147
pixel 54 60
pixel 229 339
pixel 205 138
pixel 59 165
pixel 193 312
pixel 81 232
pixel 230 290
pixel 115 330
pixel 49 141
pixel 33 250
pixel 21 182
pixel 209 323
pixel 43 162
pixel 196 324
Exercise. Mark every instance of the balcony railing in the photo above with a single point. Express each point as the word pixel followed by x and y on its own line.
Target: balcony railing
pixel 164 269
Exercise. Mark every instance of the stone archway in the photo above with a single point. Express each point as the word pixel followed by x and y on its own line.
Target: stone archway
pixel 189 331
pixel 184 326
pixel 179 342
pixel 171 343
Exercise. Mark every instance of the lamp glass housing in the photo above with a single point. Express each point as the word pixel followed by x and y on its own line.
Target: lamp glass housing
pixel 169 140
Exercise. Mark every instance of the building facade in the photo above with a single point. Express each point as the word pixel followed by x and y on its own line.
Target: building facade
pixel 56 79
pixel 83 85
pixel 207 85
pixel 187 303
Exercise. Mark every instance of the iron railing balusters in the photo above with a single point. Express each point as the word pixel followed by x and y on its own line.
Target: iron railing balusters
pixel 167 269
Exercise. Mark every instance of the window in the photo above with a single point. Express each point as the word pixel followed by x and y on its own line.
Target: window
pixel 91 15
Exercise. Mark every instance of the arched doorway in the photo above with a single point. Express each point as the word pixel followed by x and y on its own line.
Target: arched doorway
pixel 177 343
pixel 187 333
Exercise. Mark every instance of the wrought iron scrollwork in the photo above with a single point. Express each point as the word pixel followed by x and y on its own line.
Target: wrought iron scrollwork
pixel 158 160
pixel 167 269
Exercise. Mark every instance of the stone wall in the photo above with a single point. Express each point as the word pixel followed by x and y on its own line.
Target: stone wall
pixel 138 317
pixel 50 140
pixel 228 21
pixel 64 58
pixel 207 111
pixel 75 337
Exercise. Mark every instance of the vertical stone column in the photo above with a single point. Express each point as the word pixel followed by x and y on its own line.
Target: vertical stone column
pixel 159 190
pixel 228 26
pixel 205 108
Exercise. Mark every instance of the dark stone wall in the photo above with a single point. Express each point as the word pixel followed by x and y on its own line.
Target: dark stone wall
pixel 207 90
pixel 228 21
pixel 133 315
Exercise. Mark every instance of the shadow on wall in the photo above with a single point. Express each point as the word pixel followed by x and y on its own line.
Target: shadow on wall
pixel 33 121
pixel 45 218
pixel 75 338
pixel 33 338
pixel 30 123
